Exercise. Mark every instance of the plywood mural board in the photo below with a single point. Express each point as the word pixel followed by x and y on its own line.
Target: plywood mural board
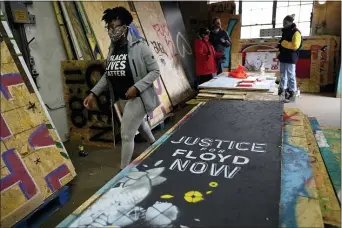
pixel 158 36
pixel 300 203
pixel 330 208
pixel 34 162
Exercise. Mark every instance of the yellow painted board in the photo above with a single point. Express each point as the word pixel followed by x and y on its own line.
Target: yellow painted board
pixel 79 33
pixel 62 29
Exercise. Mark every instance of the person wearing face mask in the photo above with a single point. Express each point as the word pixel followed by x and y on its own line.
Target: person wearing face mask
pixel 220 40
pixel 289 46
pixel 205 56
pixel 130 72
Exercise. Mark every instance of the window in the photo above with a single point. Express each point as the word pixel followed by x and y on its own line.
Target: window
pixel 255 16
pixel 259 15
pixel 302 11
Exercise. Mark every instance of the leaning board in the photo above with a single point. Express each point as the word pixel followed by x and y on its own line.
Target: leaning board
pixel 219 165
pixel 159 37
pixel 34 162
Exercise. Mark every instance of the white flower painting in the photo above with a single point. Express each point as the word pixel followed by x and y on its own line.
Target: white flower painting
pixel 119 206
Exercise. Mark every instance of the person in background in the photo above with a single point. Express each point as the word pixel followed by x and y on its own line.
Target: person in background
pixel 220 40
pixel 131 70
pixel 205 56
pixel 290 44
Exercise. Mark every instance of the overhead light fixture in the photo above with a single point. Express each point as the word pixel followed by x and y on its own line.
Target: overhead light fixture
pixel 321 2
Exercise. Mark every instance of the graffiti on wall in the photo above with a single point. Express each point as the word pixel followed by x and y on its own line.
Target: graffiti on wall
pixel 183 45
pixel 90 126
pixel 223 7
pixel 164 34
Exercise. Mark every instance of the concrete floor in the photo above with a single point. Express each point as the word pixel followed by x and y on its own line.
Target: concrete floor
pixel 102 164
pixel 325 107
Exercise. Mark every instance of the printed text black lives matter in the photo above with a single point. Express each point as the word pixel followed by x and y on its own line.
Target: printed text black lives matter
pixel 117 65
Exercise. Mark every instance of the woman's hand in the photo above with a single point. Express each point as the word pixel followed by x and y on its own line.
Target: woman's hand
pixel 131 93
pixel 89 101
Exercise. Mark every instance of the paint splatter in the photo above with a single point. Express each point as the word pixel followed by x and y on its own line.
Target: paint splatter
pixel 213 184
pixel 158 162
pixel 167 196
pixel 193 196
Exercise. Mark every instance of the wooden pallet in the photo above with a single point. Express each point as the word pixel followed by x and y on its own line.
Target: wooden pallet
pixel 37 217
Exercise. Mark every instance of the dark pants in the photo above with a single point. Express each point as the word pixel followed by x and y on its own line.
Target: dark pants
pixel 203 78
pixel 219 66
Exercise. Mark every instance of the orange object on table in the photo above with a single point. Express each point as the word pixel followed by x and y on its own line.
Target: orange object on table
pixel 239 72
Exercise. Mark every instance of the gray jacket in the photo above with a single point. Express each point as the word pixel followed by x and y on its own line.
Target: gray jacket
pixel 145 71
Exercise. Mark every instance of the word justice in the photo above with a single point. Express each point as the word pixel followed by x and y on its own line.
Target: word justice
pixel 214 167
pixel 222 144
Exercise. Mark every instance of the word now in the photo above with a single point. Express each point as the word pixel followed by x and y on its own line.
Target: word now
pixel 201 167
pixel 230 145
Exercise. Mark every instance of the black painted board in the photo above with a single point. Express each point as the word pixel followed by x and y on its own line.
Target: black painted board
pixel 183 47
pixel 247 195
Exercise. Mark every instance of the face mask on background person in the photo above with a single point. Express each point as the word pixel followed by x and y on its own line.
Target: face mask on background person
pixel 116 33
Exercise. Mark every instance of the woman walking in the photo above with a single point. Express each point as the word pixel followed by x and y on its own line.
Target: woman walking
pixel 131 70
pixel 205 56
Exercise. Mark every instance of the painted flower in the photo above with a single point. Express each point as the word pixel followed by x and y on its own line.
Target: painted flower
pixel 213 184
pixel 161 214
pixel 118 206
pixel 193 197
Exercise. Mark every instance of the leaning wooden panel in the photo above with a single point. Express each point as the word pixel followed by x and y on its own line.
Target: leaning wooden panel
pixel 157 33
pixel 79 33
pixel 93 127
pixel 34 162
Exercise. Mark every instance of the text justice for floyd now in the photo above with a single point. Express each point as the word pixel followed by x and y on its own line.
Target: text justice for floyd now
pixel 214 156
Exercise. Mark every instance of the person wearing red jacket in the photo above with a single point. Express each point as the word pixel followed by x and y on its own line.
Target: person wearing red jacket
pixel 205 56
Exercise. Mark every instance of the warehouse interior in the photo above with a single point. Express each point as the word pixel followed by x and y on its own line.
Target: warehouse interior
pixel 60 162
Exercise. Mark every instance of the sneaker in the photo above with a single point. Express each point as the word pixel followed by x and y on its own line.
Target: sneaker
pixel 292 96
pixel 282 97
pixel 287 94
pixel 280 91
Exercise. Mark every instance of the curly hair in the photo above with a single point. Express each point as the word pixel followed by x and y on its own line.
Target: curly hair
pixel 120 13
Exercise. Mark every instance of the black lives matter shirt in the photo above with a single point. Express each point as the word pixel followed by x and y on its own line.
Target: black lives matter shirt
pixel 119 71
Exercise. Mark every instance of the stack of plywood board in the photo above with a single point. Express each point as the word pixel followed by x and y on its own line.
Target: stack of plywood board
pixel 149 24
pixel 317 64
pixel 34 162
pixel 307 197
pixel 254 87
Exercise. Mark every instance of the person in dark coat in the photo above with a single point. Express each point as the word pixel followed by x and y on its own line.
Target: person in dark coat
pixel 290 44
pixel 220 40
